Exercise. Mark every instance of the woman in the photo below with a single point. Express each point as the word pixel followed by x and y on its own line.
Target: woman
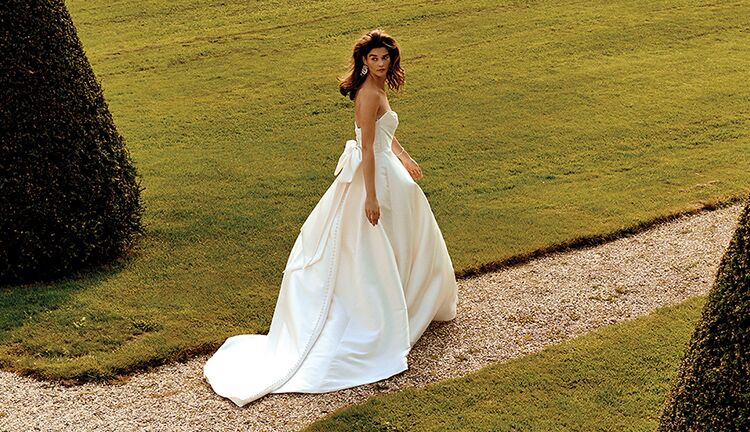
pixel 368 271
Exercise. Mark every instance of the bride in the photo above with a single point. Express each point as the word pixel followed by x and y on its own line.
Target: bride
pixel 368 271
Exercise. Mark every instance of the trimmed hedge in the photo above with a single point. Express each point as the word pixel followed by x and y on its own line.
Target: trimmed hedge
pixel 712 389
pixel 69 193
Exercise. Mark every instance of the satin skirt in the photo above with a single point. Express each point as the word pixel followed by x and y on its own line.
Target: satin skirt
pixel 354 297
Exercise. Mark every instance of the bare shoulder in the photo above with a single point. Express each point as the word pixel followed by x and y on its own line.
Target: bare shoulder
pixel 366 105
pixel 366 99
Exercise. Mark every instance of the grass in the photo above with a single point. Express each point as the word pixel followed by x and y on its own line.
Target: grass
pixel 536 123
pixel 612 379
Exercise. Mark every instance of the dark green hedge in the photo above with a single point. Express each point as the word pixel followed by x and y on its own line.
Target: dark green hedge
pixel 69 193
pixel 712 389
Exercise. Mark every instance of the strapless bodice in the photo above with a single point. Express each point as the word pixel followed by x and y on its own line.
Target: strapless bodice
pixel 385 128
pixel 351 157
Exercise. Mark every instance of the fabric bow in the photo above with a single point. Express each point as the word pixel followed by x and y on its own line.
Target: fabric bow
pixel 348 162
pixel 317 227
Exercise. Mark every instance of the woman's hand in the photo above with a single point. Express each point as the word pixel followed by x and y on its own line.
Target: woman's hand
pixel 413 167
pixel 372 210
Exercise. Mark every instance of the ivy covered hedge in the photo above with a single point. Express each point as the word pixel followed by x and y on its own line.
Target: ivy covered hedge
pixel 69 193
pixel 712 389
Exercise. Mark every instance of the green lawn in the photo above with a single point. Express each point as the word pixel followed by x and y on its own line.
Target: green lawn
pixel 535 123
pixel 613 379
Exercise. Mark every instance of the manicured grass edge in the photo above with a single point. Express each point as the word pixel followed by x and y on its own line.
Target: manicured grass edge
pixel 377 413
pixel 182 355
pixel 598 239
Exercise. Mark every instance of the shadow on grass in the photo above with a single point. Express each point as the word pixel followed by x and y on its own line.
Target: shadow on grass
pixel 23 302
pixel 37 302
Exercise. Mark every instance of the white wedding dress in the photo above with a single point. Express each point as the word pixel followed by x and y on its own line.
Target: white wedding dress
pixel 354 297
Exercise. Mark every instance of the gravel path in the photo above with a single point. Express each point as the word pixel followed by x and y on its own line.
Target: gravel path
pixel 501 315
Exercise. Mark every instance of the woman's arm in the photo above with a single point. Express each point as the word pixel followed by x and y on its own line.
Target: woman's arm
pixel 397 149
pixel 368 111
pixel 415 171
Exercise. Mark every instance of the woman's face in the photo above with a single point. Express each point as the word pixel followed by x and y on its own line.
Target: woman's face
pixel 378 60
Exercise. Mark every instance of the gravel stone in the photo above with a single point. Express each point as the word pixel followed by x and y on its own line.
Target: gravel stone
pixel 501 315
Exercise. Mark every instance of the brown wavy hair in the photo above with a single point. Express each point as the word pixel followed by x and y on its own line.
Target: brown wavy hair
pixel 350 83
